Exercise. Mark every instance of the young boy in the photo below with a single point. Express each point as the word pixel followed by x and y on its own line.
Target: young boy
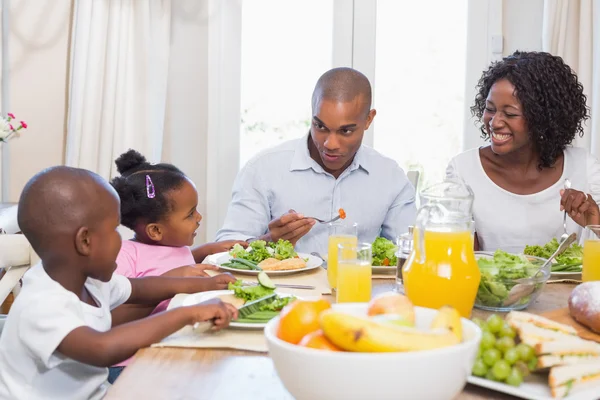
pixel 57 342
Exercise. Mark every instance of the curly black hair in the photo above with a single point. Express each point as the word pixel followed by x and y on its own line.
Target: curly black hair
pixel 552 98
pixel 137 206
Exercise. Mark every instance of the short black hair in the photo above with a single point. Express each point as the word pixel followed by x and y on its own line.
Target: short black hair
pixel 554 105
pixel 57 201
pixel 135 190
pixel 342 84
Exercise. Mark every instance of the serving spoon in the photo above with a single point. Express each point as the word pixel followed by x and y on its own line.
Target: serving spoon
pixel 521 290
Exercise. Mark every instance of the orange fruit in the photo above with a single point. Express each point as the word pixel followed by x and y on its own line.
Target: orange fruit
pixel 318 340
pixel 299 319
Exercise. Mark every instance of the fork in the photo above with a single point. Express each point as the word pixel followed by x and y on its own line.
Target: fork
pixel 325 222
pixel 281 285
pixel 565 234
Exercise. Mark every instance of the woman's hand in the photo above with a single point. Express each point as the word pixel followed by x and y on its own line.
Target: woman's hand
pixel 580 206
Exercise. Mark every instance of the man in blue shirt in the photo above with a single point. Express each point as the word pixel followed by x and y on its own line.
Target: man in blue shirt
pixel 278 191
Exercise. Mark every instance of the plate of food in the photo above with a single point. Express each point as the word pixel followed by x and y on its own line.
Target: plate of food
pixel 535 358
pixel 277 258
pixel 241 295
pixel 384 255
pixel 566 265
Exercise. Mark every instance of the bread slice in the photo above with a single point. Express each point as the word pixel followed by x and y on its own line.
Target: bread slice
pixel 517 319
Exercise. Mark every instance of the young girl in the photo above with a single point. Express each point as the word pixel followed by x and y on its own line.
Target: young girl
pixel 158 202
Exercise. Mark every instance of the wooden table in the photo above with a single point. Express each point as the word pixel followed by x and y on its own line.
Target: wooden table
pixel 211 374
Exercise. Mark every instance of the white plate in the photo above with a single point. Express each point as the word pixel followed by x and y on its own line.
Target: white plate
pixel 534 388
pixel 196 298
pixel 312 263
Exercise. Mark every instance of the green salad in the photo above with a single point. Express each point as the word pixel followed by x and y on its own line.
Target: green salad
pixel 384 252
pixel 258 251
pixel 498 275
pixel 266 311
pixel 570 260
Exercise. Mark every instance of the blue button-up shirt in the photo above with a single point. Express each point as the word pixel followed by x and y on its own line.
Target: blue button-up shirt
pixel 374 191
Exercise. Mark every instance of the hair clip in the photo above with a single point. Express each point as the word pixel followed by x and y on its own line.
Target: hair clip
pixel 150 188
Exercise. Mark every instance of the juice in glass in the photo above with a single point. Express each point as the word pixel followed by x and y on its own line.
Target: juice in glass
pixel 591 253
pixel 339 233
pixel 448 274
pixel 354 273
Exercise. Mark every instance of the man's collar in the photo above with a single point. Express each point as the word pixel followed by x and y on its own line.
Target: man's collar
pixel 302 160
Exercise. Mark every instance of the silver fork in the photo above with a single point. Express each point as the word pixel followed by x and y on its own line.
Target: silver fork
pixel 325 222
pixel 281 285
pixel 565 234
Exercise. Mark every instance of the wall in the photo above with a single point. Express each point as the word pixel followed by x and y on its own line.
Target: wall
pixel 522 25
pixel 37 79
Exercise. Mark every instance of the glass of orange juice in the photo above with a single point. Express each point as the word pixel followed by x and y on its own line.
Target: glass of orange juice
pixel 354 273
pixel 339 232
pixel 591 253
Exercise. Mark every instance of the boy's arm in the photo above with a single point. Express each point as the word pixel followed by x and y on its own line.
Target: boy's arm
pixel 152 290
pixel 103 349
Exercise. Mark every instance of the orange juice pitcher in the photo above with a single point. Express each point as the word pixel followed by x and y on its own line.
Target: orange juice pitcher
pixel 442 269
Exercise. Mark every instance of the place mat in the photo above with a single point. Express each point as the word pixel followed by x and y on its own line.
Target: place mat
pixel 385 274
pixel 316 277
pixel 250 340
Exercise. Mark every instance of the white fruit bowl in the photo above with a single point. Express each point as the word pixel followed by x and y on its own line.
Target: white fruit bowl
pixel 439 374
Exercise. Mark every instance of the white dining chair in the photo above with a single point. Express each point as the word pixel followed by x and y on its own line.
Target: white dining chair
pixel 413 178
pixel 16 257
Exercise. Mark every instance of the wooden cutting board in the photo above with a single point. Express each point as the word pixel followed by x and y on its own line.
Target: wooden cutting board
pixel 563 316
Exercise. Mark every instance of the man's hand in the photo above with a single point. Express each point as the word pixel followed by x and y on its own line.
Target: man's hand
pixel 291 226
pixel 580 206
pixel 191 270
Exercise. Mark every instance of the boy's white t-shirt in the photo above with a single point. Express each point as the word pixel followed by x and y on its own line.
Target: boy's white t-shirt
pixel 40 318
pixel 509 221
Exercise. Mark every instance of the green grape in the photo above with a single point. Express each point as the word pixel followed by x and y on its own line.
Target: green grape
pixel 501 370
pixel 495 323
pixel 479 322
pixel 526 352
pixel 523 368
pixel 490 375
pixel 507 331
pixel 479 368
pixel 479 352
pixel 491 356
pixel 532 364
pixel 488 340
pixel 515 378
pixel 505 343
pixel 511 355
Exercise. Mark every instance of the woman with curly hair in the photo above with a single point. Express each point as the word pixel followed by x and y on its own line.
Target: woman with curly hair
pixel 530 106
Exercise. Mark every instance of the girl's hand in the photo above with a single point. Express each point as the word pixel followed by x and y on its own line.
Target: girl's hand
pixel 191 270
pixel 580 206
pixel 221 281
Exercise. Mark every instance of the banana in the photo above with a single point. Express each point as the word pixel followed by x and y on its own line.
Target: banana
pixel 448 318
pixel 353 333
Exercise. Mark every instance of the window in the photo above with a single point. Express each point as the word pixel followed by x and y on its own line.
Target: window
pixel 286 46
pixel 420 69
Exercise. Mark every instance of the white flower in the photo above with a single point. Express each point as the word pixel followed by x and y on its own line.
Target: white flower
pixel 4 128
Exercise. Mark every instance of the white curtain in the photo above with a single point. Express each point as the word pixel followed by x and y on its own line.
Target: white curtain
pixel 118 81
pixel 571 29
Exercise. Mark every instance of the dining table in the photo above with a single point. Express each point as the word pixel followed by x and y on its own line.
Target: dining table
pixel 211 374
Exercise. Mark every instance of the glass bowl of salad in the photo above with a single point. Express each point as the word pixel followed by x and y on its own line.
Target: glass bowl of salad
pixel 509 281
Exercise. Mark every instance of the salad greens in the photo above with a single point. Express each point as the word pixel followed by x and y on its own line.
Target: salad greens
pixel 569 261
pixel 259 250
pixel 384 252
pixel 251 293
pixel 498 275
